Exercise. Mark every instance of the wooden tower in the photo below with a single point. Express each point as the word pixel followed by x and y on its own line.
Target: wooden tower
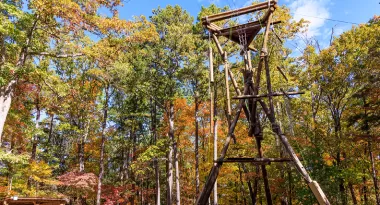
pixel 250 96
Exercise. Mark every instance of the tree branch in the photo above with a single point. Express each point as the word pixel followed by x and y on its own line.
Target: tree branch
pixel 54 55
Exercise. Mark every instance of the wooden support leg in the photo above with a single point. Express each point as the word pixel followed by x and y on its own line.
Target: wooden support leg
pixel 284 140
pixel 207 189
pixel 318 193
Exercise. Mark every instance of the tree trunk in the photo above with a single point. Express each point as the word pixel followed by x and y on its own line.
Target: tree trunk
pixel 169 163
pixel 101 160
pixel 353 196
pixel 342 189
pixel 365 189
pixel 196 145
pixel 290 186
pixel 10 180
pixel 125 166
pixel 6 94
pixel 337 130
pixel 177 181
pixel 158 189
pixel 134 157
pixel 242 189
pixel 374 172
pixel 155 161
pixel 51 128
pixel 264 172
pixel 81 145
pixel 35 136
pixel 251 191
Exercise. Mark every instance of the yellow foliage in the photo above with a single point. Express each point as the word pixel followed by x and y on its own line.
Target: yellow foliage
pixel 40 172
pixel 327 159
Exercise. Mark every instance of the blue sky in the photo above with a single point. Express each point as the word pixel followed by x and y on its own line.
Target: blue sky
pixel 315 11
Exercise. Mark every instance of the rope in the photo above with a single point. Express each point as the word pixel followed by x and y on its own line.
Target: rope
pixel 241 35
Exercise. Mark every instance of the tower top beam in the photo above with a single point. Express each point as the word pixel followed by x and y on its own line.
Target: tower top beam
pixel 238 12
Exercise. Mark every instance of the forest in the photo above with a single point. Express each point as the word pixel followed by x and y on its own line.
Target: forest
pixel 97 109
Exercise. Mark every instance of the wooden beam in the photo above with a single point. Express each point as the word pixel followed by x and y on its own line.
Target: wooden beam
pixel 282 73
pixel 218 45
pixel 267 95
pixel 214 28
pixel 237 12
pixel 255 159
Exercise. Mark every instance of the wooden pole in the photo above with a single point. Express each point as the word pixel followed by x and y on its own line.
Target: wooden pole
pixel 267 95
pixel 215 134
pixel 211 65
pixel 249 60
pixel 227 85
pixel 212 84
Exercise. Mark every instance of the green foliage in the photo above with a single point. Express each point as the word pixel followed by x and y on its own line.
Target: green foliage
pixel 13 159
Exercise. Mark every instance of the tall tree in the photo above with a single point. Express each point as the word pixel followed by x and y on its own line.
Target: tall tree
pixel 174 27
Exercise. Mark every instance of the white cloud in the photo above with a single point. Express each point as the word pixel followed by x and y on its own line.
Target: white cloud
pixel 314 11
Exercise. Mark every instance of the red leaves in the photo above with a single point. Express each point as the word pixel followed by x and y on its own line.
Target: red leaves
pixel 79 180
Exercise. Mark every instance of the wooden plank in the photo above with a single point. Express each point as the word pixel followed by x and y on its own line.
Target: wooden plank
pixel 237 12
pixel 244 27
pixel 236 40
pixel 267 95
